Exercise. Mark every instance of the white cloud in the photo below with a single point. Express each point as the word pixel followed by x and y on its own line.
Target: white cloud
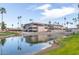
pixel 55 13
pixel 44 7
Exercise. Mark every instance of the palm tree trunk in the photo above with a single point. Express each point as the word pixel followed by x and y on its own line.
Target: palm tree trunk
pixel 67 25
pixel 2 17
pixel 1 20
pixel 18 23
pixel 78 18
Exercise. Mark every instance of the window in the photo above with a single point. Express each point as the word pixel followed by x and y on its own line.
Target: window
pixel 46 27
pixel 32 31
pixel 32 28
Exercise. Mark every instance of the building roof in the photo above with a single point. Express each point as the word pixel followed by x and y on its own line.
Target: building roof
pixel 41 24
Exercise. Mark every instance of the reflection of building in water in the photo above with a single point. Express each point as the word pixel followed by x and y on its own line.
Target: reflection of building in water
pixel 38 38
pixel 37 27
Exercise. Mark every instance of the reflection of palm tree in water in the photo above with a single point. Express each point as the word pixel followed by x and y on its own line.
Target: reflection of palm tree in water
pixel 19 46
pixel 22 39
pixel 31 44
pixel 2 42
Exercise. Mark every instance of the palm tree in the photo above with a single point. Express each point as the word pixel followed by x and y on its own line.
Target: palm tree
pixel 65 20
pixel 49 22
pixel 78 13
pixel 12 25
pixel 75 20
pixel 2 11
pixel 67 23
pixel 58 23
pixel 3 26
pixel 71 23
pixel 50 26
pixel 55 22
pixel 31 20
pixel 19 21
pixel 78 21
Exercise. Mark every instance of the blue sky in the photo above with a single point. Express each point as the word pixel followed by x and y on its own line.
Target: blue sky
pixel 39 12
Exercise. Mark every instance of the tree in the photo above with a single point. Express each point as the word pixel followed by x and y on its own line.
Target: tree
pixel 19 46
pixel 49 22
pixel 49 26
pixel 12 25
pixel 55 22
pixel 3 26
pixel 19 21
pixel 67 23
pixel 2 43
pixel 65 18
pixel 71 23
pixel 31 20
pixel 78 13
pixel 2 11
pixel 58 23
pixel 78 21
pixel 74 19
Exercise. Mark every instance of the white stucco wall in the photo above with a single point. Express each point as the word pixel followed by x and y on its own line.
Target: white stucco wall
pixel 41 29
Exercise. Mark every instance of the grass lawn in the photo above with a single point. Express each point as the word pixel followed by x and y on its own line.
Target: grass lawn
pixel 68 46
pixel 7 33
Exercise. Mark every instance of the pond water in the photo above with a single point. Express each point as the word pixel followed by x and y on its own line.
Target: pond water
pixel 20 45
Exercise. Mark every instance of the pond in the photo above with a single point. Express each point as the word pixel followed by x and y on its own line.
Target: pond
pixel 24 45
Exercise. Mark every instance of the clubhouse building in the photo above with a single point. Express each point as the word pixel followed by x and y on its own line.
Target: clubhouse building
pixel 39 27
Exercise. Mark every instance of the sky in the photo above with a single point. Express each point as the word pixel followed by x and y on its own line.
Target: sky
pixel 39 12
